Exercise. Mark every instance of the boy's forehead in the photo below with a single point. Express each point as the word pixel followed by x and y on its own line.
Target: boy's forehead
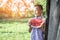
pixel 37 7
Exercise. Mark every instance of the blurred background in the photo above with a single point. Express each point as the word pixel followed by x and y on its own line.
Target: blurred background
pixel 14 15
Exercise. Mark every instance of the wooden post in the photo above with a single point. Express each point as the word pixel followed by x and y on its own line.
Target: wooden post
pixel 58 12
pixel 53 21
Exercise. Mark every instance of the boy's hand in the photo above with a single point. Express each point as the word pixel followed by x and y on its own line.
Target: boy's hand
pixel 36 26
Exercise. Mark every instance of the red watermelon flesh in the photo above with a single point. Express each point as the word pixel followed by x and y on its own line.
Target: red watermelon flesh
pixel 36 22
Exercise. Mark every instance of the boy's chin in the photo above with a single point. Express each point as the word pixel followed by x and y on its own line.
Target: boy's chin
pixel 38 15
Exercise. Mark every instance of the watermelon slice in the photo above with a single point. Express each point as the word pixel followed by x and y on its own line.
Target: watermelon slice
pixel 36 22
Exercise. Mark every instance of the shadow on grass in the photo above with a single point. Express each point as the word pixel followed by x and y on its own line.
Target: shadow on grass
pixel 15 32
pixel 13 21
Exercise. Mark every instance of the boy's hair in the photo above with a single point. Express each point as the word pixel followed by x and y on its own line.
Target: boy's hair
pixel 40 6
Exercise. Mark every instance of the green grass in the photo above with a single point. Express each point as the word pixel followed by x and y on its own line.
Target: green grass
pixel 14 30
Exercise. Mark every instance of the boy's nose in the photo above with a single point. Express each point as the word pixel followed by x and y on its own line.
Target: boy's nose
pixel 36 11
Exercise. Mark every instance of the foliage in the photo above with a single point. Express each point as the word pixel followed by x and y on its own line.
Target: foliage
pixel 18 8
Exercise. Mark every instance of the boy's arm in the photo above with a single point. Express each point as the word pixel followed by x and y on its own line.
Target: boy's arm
pixel 29 24
pixel 43 27
pixel 29 28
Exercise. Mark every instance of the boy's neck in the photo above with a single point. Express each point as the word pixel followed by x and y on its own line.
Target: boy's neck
pixel 37 16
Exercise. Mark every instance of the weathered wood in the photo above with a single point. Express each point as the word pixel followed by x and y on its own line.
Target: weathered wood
pixel 58 12
pixel 53 21
pixel 47 20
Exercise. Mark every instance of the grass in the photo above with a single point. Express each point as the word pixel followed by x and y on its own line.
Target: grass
pixel 14 30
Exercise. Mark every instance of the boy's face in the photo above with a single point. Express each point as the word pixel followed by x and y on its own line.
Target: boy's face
pixel 38 11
